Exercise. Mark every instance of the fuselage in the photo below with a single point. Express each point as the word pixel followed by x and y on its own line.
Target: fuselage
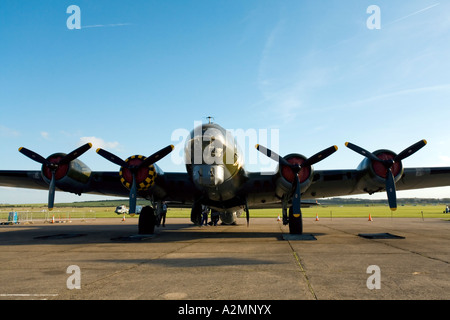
pixel 215 164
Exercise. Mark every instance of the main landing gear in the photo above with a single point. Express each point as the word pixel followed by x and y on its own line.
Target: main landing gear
pixel 295 222
pixel 147 221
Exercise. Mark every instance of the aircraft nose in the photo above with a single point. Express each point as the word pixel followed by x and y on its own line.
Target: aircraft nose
pixel 208 175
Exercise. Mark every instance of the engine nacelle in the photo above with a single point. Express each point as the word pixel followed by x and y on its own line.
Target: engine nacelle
pixel 72 177
pixel 285 176
pixel 375 173
pixel 145 176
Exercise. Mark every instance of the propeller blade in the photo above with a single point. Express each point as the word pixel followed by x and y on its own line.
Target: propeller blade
pixel 362 151
pixel 411 150
pixel 54 166
pixel 156 156
pixel 390 190
pixel 51 192
pixel 133 195
pixel 296 200
pixel 111 157
pixel 75 153
pixel 33 156
pixel 320 156
pixel 148 161
pixel 273 155
pixel 390 180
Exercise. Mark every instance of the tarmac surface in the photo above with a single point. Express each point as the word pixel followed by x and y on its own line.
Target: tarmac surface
pixel 183 261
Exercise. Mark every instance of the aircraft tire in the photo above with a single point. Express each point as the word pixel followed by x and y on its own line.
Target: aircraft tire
pixel 147 220
pixel 196 213
pixel 295 223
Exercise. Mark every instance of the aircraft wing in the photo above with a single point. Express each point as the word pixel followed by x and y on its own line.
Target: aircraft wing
pixel 335 183
pixel 105 183
pixel 259 188
pixel 177 187
pixel 22 179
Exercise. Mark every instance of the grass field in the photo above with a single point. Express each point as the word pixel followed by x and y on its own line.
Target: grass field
pixel 65 213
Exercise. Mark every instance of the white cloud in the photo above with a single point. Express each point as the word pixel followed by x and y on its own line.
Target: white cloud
pixel 45 135
pixel 8 132
pixel 100 143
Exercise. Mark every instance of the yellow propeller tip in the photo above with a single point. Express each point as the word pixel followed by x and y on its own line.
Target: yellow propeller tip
pixel 425 141
pixel 336 148
pixel 257 146
pixel 172 146
pixel 346 144
pixel 50 209
pixel 90 145
pixel 97 150
pixel 393 209
pixel 20 148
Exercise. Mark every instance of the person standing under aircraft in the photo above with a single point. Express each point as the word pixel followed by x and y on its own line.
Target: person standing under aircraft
pixel 214 217
pixel 163 213
pixel 205 212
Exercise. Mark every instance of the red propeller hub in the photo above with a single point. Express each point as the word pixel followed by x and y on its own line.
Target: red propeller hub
pixel 380 169
pixel 303 174
pixel 61 171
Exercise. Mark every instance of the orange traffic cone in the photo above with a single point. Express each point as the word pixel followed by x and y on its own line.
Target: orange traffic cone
pixel 317 217
pixel 278 219
pixel 123 219
pixel 53 219
pixel 370 217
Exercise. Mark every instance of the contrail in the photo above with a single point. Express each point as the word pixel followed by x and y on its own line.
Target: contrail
pixel 106 25
pixel 413 14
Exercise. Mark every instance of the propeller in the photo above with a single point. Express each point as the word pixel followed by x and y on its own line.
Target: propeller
pixel 295 168
pixel 53 166
pixel 388 163
pixel 134 169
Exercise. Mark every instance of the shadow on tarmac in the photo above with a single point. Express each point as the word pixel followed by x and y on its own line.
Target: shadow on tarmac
pixel 67 234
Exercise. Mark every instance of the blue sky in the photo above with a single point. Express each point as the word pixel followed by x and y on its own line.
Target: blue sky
pixel 137 71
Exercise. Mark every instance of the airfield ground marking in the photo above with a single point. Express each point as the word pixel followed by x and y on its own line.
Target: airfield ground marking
pixel 302 270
